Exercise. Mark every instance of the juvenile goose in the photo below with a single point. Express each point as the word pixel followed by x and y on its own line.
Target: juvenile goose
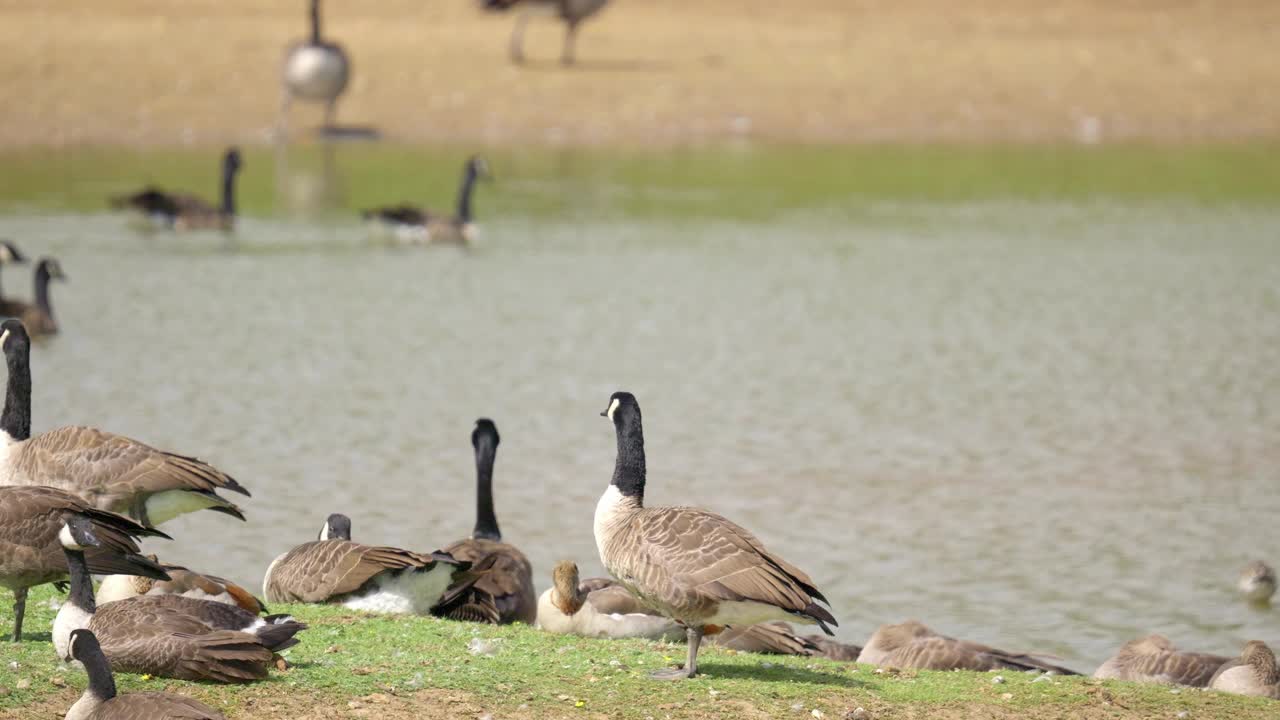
pixel 167 635
pixel 691 565
pixel 314 70
pixel 111 472
pixel 31 554
pixel 1253 673
pixel 37 316
pixel 1257 582
pixel 182 581
pixel 180 211
pixel 599 607
pixel 100 701
pixel 913 645
pixel 571 12
pixel 1154 659
pixel 335 570
pixel 413 224
pixel 510 582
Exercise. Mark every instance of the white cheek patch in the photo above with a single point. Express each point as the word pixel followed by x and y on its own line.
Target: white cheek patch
pixel 3 337
pixel 5 254
pixel 613 407
pixel 64 537
pixel 324 532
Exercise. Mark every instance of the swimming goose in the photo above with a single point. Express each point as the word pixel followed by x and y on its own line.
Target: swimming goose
pixel 572 12
pixel 1254 673
pixel 510 582
pixel 1257 582
pixel 167 635
pixel 37 316
pixel 599 607
pixel 314 70
pixel 110 471
pixel 179 211
pixel 335 570
pixel 691 565
pixel 1154 659
pixel 30 553
pixel 413 224
pixel 182 581
pixel 100 701
pixel 914 645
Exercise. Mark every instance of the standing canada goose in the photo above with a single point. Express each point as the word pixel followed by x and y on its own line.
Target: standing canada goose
pixel 778 638
pixel 37 316
pixel 335 570
pixel 1257 582
pixel 1154 659
pixel 510 582
pixel 314 70
pixel 914 645
pixel 100 701
pixel 182 581
pixel 180 211
pixel 166 635
pixel 691 565
pixel 413 224
pixel 571 12
pixel 111 472
pixel 30 552
pixel 600 608
pixel 1253 673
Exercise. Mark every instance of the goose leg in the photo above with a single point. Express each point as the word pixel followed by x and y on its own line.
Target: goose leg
pixel 516 47
pixel 19 609
pixel 330 111
pixel 570 40
pixel 690 669
pixel 282 122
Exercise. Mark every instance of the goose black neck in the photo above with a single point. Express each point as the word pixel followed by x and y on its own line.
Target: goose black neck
pixel 42 289
pixel 229 190
pixel 81 593
pixel 464 193
pixel 16 418
pixel 101 684
pixel 486 520
pixel 315 22
pixel 628 471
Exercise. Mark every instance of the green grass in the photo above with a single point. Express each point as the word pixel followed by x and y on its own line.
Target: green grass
pixel 346 656
pixel 748 183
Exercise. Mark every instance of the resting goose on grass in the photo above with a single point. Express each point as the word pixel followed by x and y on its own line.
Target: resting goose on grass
pixel 1255 673
pixel 1154 659
pixel 914 645
pixel 182 581
pixel 99 701
pixel 600 608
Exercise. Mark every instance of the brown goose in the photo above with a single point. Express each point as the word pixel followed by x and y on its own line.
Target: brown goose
pixel 1257 582
pixel 1254 673
pixel 31 554
pixel 100 701
pixel 1154 659
pixel 10 255
pixel 571 12
pixel 599 607
pixel 335 570
pixel 179 211
pixel 415 225
pixel 510 582
pixel 111 472
pixel 167 635
pixel 779 638
pixel 914 645
pixel 37 316
pixel 182 581
pixel 691 565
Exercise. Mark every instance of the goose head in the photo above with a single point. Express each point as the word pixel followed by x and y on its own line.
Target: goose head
pixel 51 268
pixel 478 167
pixel 1257 654
pixel 622 407
pixel 336 527
pixel 564 584
pixel 14 339
pixel 9 254
pixel 77 533
pixel 1257 582
pixel 231 162
pixel 485 429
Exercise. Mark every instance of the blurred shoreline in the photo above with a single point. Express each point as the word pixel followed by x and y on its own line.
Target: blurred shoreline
pixel 652 73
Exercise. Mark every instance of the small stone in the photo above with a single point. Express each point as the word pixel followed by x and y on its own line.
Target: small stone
pixel 997 680
pixel 333 649
pixel 1183 714
pixel 857 714
pixel 486 716
pixel 353 704
pixel 713 692
pixel 816 713
pixel 562 697
pixel 13 665
pixel 1007 696
pixel 1175 691
pixel 479 646
pixel 798 707
pixel 23 684
pixel 615 663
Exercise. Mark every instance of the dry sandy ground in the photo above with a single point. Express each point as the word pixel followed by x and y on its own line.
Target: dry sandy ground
pixel 654 72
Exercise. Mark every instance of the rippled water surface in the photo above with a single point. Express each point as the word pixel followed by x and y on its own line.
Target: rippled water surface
pixel 1040 425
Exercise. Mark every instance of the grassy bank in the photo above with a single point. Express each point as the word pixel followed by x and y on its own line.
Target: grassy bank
pixel 351 665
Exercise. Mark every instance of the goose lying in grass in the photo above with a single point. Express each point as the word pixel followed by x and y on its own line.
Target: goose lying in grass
pixel 779 638
pixel 914 645
pixel 600 608
pixel 1154 659
pixel 101 702
pixel 1254 673
pixel 182 581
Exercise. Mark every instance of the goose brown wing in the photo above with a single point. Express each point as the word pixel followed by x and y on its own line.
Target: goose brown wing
pixel 775 638
pixel 614 599
pixel 685 557
pixel 153 706
pixel 1183 668
pixel 940 653
pixel 327 570
pixel 223 656
pixel 509 582
pixel 182 580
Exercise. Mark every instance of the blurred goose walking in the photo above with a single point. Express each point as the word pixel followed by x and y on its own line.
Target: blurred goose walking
pixel 315 70
pixel 570 12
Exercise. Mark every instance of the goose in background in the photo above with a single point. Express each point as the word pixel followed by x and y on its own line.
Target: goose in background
pixel 166 635
pixel 111 472
pixel 1257 582
pixel 691 565
pixel 182 581
pixel 38 316
pixel 1254 673
pixel 101 702
pixel 408 223
pixel 571 12
pixel 30 552
pixel 179 211
pixel 779 638
pixel 335 570
pixel 914 645
pixel 314 70
pixel 1153 659
pixel 510 582
pixel 10 255
pixel 599 608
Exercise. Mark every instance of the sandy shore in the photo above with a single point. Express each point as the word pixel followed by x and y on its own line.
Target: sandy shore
pixel 653 72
